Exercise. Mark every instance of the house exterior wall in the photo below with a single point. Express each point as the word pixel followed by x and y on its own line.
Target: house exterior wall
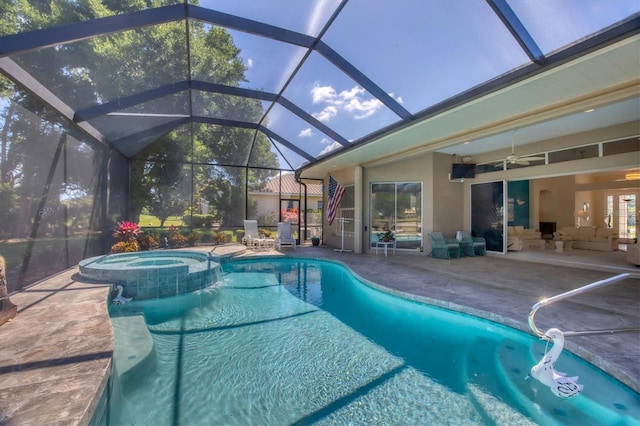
pixel 441 199
pixel 446 205
pixel 268 205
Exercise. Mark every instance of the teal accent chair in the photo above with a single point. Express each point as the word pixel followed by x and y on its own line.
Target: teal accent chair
pixel 443 248
pixel 471 246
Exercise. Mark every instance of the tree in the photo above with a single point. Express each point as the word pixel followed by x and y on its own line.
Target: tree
pixel 105 68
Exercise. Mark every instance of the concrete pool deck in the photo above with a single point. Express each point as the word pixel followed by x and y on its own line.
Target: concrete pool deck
pixel 56 353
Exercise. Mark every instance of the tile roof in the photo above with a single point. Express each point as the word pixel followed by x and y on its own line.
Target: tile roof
pixel 289 186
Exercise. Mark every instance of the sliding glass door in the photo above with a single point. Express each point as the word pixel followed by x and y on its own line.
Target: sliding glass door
pixel 397 207
pixel 487 213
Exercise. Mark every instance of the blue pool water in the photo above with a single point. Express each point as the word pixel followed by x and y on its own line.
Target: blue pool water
pixel 303 342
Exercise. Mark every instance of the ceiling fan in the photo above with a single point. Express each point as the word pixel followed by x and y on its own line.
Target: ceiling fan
pixel 522 160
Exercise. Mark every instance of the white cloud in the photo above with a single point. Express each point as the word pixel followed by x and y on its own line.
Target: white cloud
pixel 363 109
pixel 326 114
pixel 306 133
pixel 398 98
pixel 249 63
pixel 323 94
pixel 351 94
pixel 331 147
pixel 351 101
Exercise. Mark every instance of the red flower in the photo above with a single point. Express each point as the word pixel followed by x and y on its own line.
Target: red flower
pixel 126 231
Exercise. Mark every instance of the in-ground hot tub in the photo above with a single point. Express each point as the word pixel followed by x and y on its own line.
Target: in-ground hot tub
pixel 153 274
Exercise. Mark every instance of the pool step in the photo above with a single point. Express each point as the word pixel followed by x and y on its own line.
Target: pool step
pixel 601 399
pixel 133 344
pixel 485 381
pixel 513 366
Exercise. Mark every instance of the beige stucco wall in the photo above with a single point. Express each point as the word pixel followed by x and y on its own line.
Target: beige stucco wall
pixel 553 200
pixel 415 169
pixel 448 203
pixel 441 199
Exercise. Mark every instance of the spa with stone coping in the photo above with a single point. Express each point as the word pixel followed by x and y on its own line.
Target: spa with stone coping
pixel 154 274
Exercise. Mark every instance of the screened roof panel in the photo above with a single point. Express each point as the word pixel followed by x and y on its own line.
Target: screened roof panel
pixel 333 98
pixel 260 158
pixel 46 14
pixel 441 48
pixel 120 126
pixel 307 17
pixel 228 107
pixel 93 71
pixel 556 24
pixel 267 63
pixel 298 132
pixel 330 73
pixel 131 146
pixel 289 160
pixel 172 104
pixel 228 146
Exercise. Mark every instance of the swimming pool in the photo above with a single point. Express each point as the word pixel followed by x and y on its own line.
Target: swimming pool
pixel 294 341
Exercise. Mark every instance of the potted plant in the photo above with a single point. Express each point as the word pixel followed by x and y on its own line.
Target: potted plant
pixel 315 241
pixel 387 236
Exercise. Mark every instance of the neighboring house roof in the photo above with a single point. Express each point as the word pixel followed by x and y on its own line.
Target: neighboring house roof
pixel 286 183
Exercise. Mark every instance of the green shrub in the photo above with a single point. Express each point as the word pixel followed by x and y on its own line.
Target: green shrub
pixel 219 238
pixel 206 237
pixel 265 232
pixel 125 247
pixel 147 241
pixel 177 240
pixel 192 239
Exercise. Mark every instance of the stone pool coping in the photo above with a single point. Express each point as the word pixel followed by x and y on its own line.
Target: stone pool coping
pixel 56 361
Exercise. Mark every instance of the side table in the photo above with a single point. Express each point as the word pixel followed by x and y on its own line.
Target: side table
pixel 386 244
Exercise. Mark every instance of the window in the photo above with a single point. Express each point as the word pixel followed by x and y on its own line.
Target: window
pixel 397 207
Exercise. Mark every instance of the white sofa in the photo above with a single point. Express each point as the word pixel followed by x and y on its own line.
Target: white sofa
pixel 518 237
pixel 589 237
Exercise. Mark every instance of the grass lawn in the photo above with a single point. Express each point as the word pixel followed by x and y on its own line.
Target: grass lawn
pixel 152 221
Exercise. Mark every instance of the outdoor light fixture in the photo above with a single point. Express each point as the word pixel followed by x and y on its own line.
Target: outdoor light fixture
pixel 632 176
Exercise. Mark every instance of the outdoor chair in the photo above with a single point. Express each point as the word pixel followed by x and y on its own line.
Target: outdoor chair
pixel 443 248
pixel 284 236
pixel 250 233
pixel 471 246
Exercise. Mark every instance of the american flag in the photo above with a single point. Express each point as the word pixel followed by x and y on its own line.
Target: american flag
pixel 335 195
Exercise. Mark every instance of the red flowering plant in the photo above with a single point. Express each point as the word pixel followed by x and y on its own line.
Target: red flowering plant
pixel 126 233
pixel 290 215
